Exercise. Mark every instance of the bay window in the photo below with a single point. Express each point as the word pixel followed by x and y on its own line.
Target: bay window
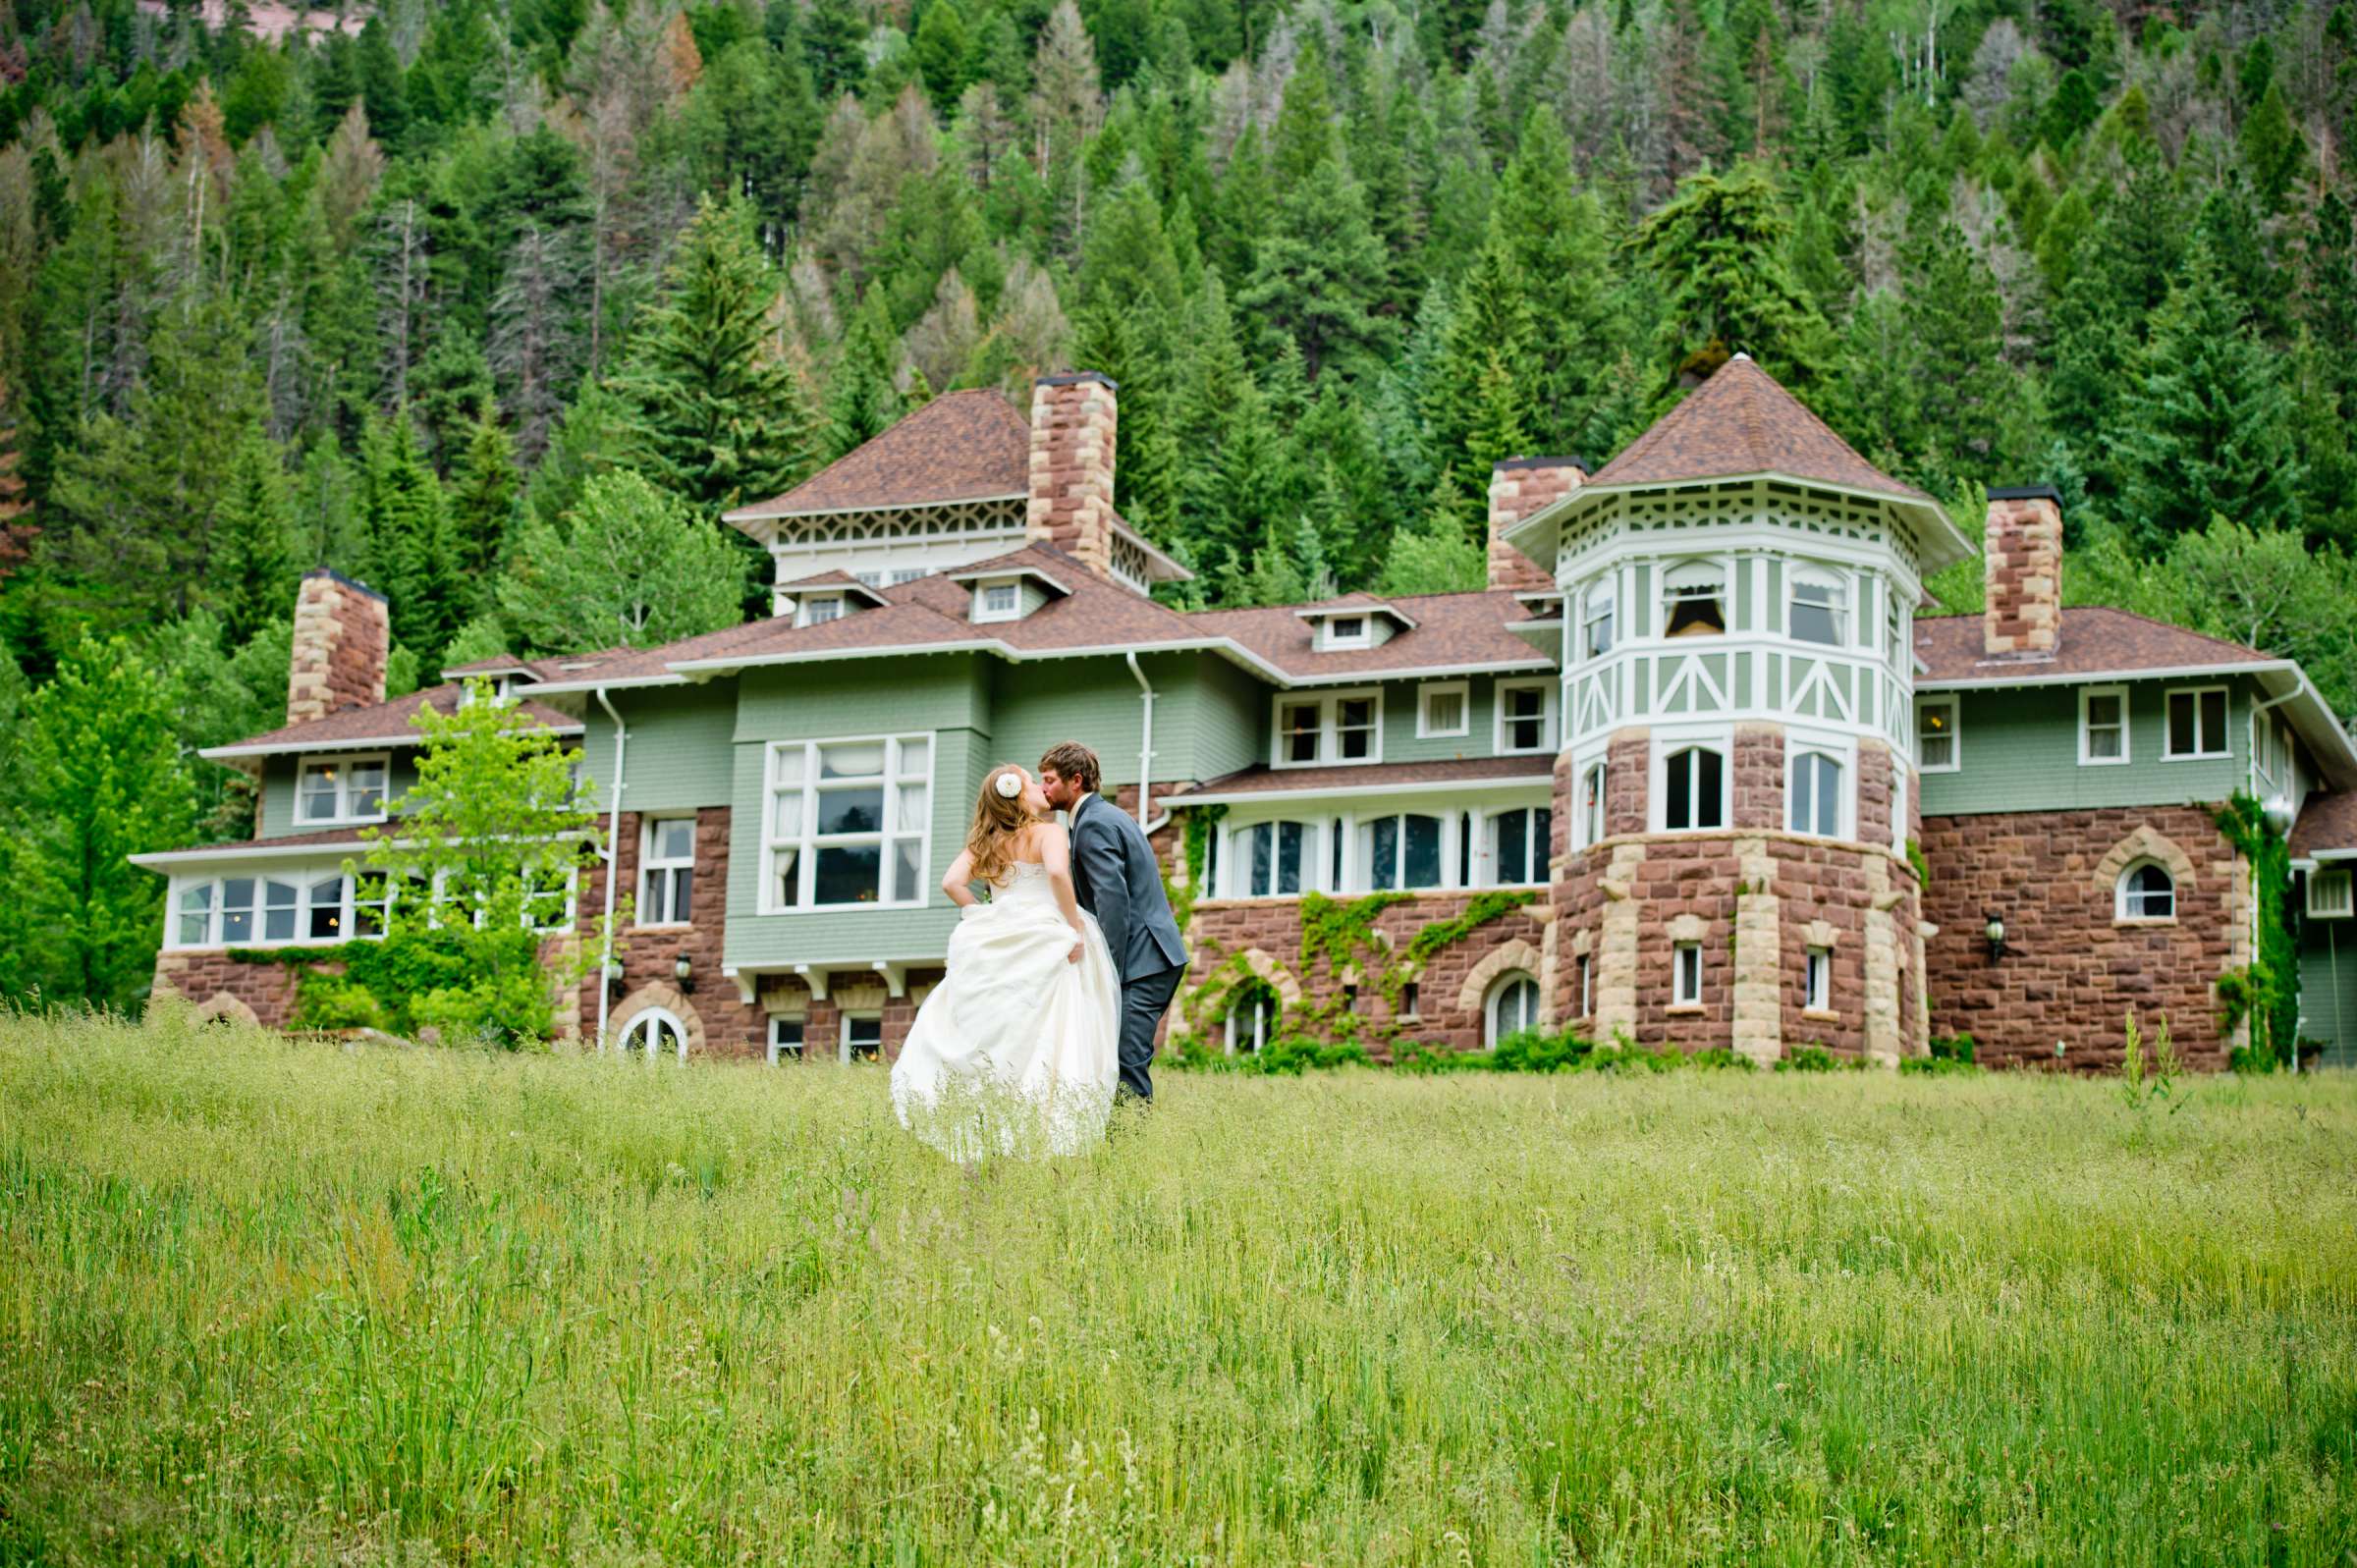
pixel 1596 621
pixel 1817 611
pixel 846 823
pixel 341 789
pixel 288 908
pixel 1814 795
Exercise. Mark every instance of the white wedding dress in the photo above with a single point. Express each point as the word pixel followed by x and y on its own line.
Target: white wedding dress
pixel 1017 1049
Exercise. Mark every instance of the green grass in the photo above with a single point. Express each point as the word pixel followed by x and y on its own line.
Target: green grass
pixel 265 1301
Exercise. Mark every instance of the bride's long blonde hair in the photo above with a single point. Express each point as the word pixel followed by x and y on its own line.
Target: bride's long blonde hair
pixel 998 822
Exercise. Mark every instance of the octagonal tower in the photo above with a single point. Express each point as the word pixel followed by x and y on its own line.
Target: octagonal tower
pixel 1735 799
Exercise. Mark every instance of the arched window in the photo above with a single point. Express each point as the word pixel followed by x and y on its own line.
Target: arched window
pixel 1272 858
pixel 1694 600
pixel 1814 795
pixel 2146 893
pixel 1402 851
pixel 1591 805
pixel 1252 1013
pixel 655 1033
pixel 1519 844
pixel 1820 609
pixel 1513 1007
pixel 1695 790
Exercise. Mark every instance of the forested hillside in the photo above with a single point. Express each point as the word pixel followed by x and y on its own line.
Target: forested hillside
pixel 497 306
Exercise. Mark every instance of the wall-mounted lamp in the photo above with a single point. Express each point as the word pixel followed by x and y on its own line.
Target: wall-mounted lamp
pixel 612 977
pixel 1995 931
pixel 683 973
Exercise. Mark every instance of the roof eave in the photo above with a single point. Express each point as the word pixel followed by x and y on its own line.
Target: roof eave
pixel 760 511
pixel 1536 535
pixel 1216 798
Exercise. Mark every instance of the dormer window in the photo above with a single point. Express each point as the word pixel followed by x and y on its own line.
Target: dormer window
pixel 1346 631
pixel 1348 624
pixel 998 601
pixel 1694 601
pixel 819 608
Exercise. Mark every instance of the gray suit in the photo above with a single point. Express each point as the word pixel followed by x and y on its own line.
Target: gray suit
pixel 1116 879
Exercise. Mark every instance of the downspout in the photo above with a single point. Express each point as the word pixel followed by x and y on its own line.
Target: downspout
pixel 1145 745
pixel 605 959
pixel 2259 715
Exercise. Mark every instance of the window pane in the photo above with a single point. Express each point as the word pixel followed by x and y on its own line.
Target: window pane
pixel 1444 712
pixel 1259 846
pixel 1423 852
pixel 674 839
pixel 790 766
pixel 863 759
pixel 1678 800
pixel 1708 766
pixel 683 888
pixel 1542 841
pixel 1355 726
pixel 787 1035
pixel 908 809
pixel 1289 856
pixel 787 823
pixel 195 914
pixel 1383 853
pixel 1804 780
pixel 2180 724
pixel 1816 613
pixel 2103 712
pixel 2213 721
pixel 851 810
pixel 848 873
pixel 1299 724
pixel 367 788
pixel 906 854
pixel 788 873
pixel 1510 837
pixel 915 756
pixel 318 802
pixel 237 909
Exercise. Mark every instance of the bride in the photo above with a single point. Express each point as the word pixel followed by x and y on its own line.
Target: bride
pixel 1016 1051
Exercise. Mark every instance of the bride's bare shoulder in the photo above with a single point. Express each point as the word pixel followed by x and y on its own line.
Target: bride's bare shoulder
pixel 1040 838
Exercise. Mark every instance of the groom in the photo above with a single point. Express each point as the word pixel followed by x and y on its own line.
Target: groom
pixel 1116 878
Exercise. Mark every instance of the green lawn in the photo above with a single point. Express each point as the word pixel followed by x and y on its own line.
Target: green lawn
pixel 265 1301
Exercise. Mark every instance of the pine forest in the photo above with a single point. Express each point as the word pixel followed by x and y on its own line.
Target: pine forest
pixel 498 304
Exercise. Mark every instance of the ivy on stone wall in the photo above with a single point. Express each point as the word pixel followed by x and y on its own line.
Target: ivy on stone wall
pixel 2266 991
pixel 405 982
pixel 1197 825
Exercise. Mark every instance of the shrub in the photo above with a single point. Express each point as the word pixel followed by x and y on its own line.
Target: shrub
pixel 1952 1048
pixel 1812 1058
pixel 335 1001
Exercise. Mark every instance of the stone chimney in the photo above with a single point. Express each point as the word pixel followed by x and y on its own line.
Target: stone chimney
pixel 1073 428
pixel 2022 553
pixel 1519 487
pixel 342 634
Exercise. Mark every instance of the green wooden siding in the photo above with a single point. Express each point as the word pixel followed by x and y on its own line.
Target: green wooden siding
pixel 2329 988
pixel 2020 752
pixel 1096 702
pixel 1212 721
pixel 677 756
pixel 864 697
pixel 278 788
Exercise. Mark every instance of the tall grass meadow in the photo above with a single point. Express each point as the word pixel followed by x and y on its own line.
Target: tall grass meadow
pixel 267 1300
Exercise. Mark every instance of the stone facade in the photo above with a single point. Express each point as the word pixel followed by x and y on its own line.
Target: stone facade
pixel 2071 969
pixel 2023 616
pixel 342 637
pixel 1451 985
pixel 1074 419
pixel 1519 487
pixel 1754 898
pixel 219 986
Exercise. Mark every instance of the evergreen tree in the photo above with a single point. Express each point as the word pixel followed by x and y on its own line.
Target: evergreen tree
pixel 713 412
pixel 1719 247
pixel 255 568
pixel 409 549
pixel 863 398
pixel 482 497
pixel 629 566
pixel 1319 274
pixel 2206 430
pixel 1435 556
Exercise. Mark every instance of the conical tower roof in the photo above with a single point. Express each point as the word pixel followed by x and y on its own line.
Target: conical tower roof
pixel 1741 422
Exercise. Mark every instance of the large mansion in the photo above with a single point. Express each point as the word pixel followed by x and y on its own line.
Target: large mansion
pixel 1695 768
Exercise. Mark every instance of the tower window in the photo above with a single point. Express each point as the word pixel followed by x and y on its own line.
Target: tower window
pixel 1696 797
pixel 1694 601
pixel 1817 611
pixel 1686 975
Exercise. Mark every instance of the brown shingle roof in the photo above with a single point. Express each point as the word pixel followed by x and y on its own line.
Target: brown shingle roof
pixel 2326 823
pixel 392 722
pixel 962 446
pixel 1448 631
pixel 1741 422
pixel 1468 770
pixel 2094 640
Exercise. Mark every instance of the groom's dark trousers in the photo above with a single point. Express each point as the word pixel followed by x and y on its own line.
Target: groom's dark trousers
pixel 1116 879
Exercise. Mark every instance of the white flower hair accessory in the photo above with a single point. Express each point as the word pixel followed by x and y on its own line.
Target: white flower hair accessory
pixel 1009 784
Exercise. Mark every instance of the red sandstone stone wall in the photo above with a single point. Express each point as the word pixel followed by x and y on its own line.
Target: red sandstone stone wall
pixel 1226 927
pixel 1758 785
pixel 1519 487
pixel 1626 808
pixel 650 953
pixel 2069 971
pixel 340 639
pixel 200 975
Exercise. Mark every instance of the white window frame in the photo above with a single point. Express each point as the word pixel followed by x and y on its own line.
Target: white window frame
pixel 1672 594
pixel 1832 583
pixel 1336 639
pixel 1235 856
pixel 1491 1030
pixel 808 842
pixel 343 764
pixel 2340 903
pixel 806 614
pixel 1362 849
pixel 1667 747
pixel 985 610
pixel 1680 994
pixel 2121 913
pixel 1591 824
pixel 842 1034
pixel 653 1015
pixel 1329 744
pixel 1538 848
pixel 1793 759
pixel 2225 738
pixel 649 865
pixel 1596 608
pixel 1547 689
pixel 1264 1016
pixel 1953 703
pixel 1817 980
pixel 2087 756
pixel 778 1024
pixel 1461 690
pixel 1586 974
pixel 305 881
